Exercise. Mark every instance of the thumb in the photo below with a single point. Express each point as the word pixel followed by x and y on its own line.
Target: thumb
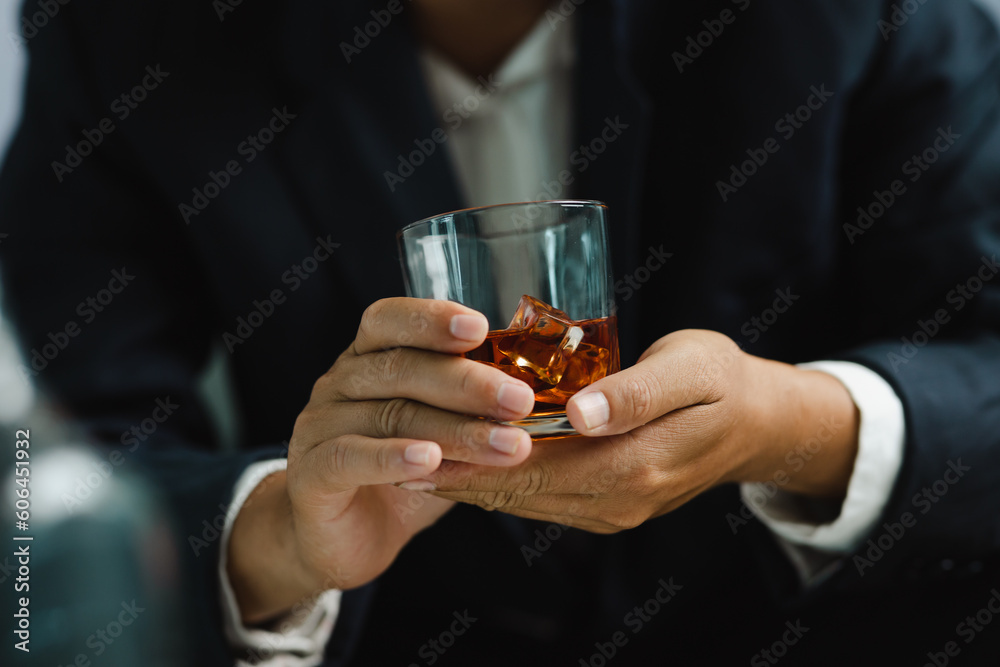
pixel 664 380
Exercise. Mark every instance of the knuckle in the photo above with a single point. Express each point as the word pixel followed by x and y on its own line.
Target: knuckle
pixel 467 438
pixel 394 418
pixel 322 386
pixel 640 392
pixel 454 476
pixel 384 458
pixel 331 385
pixel 478 434
pixel 700 356
pixel 306 432
pixel 470 382
pixel 339 457
pixel 303 421
pixel 499 500
pixel 419 321
pixel 532 482
pixel 339 384
pixel 374 317
pixel 391 366
pixel 710 359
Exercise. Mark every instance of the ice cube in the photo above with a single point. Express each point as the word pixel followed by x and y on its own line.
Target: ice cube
pixel 545 340
pixel 588 364
pixel 524 375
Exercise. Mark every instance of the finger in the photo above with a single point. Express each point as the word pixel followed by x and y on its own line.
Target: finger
pixel 442 380
pixel 591 512
pixel 671 378
pixel 443 326
pixel 565 466
pixel 554 509
pixel 350 461
pixel 460 437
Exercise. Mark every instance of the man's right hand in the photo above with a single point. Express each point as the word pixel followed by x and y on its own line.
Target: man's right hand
pixel 395 404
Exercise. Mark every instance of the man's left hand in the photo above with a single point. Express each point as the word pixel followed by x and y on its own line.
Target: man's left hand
pixel 694 412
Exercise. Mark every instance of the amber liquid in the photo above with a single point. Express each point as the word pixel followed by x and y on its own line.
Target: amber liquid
pixel 595 357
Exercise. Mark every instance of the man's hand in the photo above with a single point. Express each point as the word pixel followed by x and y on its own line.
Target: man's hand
pixel 392 407
pixel 693 413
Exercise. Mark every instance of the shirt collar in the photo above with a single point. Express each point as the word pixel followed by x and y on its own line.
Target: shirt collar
pixel 548 49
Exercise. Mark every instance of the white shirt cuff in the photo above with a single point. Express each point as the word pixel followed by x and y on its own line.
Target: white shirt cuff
pixel 295 640
pixel 813 534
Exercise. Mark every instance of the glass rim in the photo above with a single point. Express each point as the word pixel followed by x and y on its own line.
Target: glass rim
pixel 472 209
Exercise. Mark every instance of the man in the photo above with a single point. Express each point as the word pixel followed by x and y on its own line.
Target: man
pixel 804 182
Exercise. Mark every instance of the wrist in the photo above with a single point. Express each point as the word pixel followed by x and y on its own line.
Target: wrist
pixel 807 435
pixel 262 561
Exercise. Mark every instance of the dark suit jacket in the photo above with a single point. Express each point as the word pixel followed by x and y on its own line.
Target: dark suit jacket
pixel 695 112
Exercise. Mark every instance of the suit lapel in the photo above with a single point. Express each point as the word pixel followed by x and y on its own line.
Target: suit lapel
pixel 362 159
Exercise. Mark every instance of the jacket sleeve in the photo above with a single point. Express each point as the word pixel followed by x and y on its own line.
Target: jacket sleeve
pixel 921 231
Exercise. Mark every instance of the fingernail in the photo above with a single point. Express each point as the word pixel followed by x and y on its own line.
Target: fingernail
pixel 505 440
pixel 418 485
pixel 418 454
pixel 468 327
pixel 516 397
pixel 594 409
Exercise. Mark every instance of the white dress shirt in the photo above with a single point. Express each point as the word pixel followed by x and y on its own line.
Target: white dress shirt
pixel 505 146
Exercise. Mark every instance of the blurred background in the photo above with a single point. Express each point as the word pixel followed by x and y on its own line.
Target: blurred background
pixel 103 573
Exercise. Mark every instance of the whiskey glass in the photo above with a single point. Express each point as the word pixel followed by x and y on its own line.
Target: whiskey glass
pixel 541 274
